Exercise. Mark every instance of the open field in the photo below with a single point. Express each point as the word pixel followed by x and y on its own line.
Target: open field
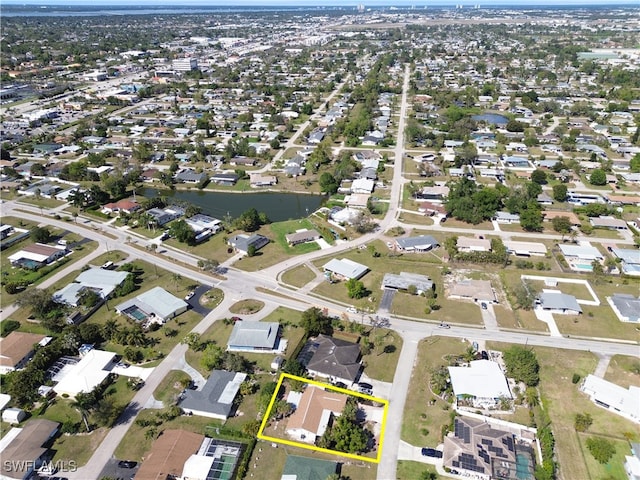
pixel 425 413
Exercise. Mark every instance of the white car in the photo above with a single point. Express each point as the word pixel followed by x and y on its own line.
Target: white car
pixel 189 295
pixel 352 310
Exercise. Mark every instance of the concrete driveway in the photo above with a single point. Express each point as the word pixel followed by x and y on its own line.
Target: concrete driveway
pixel 133 371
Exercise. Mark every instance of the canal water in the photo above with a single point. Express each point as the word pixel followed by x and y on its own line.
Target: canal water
pixel 493 118
pixel 277 206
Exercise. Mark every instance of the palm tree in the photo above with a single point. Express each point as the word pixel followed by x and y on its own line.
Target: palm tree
pixel 135 336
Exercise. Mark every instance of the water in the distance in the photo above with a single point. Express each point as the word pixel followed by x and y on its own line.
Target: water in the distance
pixel 277 206
pixel 492 118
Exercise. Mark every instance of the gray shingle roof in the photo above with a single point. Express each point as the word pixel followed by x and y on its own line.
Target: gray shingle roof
pixel 335 358
pixel 627 305
pixel 217 395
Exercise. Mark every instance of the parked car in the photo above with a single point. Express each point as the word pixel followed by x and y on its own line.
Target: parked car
pixel 127 464
pixel 164 236
pixel 431 452
pixel 189 295
pixel 352 310
pixel 365 388
pixel 484 355
pixel 483 305
pixel 107 265
pixel 444 325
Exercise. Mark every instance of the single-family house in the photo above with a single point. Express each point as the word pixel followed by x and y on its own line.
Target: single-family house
pixel 420 243
pixel 469 244
pixel 437 193
pixel 216 398
pixel 260 180
pixel 404 281
pixel 168 455
pixel 82 377
pixel 242 243
pixel 506 217
pixel 227 179
pixel 332 358
pixel 314 413
pixel 625 306
pixel 99 280
pixel 586 253
pixel 302 236
pixel 621 401
pixel 610 223
pixel 362 185
pixel 629 260
pixel 188 175
pixel 482 383
pixel 200 222
pixel 477 449
pixel 558 303
pixel 28 449
pixel 258 337
pixel 37 255
pixel 632 462
pixel 125 205
pixel 525 249
pixel 155 305
pixel 17 348
pixel 345 268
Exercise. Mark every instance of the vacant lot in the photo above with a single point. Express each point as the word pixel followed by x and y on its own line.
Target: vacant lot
pixel 298 276
pixel 425 413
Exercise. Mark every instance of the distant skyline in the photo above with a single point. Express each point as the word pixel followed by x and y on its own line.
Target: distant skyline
pixel 329 3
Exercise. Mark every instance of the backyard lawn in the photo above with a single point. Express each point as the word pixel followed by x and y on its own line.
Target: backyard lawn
pixel 624 371
pixel 408 470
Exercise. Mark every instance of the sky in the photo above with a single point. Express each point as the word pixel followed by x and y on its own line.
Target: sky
pixel 306 3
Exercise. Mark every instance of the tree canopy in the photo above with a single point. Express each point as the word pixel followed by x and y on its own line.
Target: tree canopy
pixel 522 365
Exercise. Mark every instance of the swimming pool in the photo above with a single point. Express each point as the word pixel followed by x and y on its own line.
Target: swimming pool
pixel 136 314
pixel 583 266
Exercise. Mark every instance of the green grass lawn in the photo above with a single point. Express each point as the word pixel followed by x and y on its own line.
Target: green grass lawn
pixel 624 371
pixel 408 470
pixel 422 422
pixel 14 274
pixel 298 276
pixel 518 319
pixel 246 307
pixel 171 386
pixel 598 322
pixel 215 248
pixel 381 363
pixel 217 333
pixel 613 469
pixel 41 202
pixel 135 444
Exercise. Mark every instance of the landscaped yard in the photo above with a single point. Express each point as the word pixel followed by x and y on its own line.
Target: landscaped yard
pixel 171 386
pixel 422 422
pixel 381 363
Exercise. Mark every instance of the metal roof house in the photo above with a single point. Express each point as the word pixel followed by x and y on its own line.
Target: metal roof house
pixel 215 399
pixel 421 243
pixel 87 374
pixel 482 381
pixel 101 281
pixel 156 304
pixel 630 260
pixel 404 280
pixel 558 302
pixel 345 268
pixel 258 337
pixel 582 252
pixel 625 306
pixel 622 401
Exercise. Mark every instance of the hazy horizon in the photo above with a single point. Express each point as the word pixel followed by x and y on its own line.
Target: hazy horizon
pixel 322 3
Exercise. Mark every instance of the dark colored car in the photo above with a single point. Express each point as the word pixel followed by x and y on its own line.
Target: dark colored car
pixel 431 452
pixel 127 464
pixel 484 355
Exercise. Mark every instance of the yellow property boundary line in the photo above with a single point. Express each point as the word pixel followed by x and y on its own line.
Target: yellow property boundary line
pixel 313 448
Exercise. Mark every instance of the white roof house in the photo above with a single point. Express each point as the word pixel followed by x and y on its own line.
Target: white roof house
pixel 482 380
pixel 526 248
pixel 103 282
pixel 345 268
pixel 156 302
pixel 85 375
pixel 362 185
pixel 583 252
pixel 624 402
pixel 254 337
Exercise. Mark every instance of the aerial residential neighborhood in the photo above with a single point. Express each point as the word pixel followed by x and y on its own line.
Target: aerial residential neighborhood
pixel 346 242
